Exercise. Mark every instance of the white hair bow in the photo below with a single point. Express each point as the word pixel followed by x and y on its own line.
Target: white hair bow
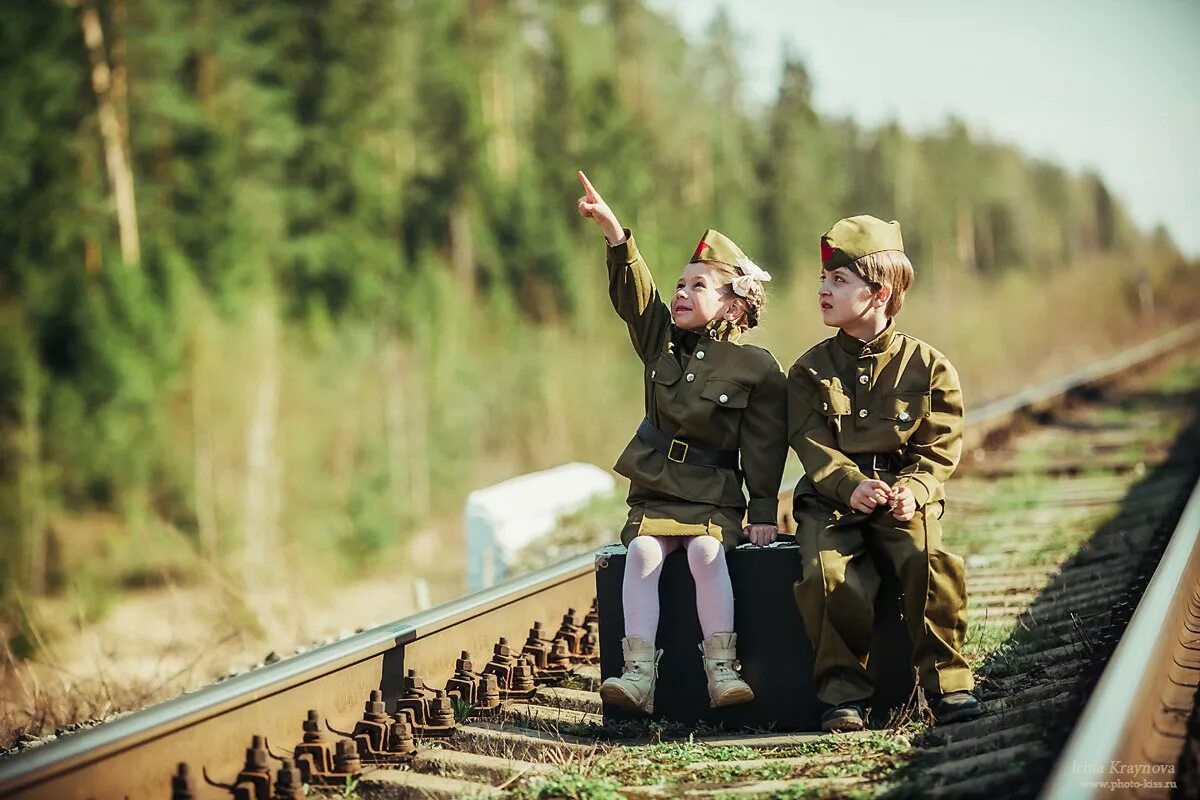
pixel 751 274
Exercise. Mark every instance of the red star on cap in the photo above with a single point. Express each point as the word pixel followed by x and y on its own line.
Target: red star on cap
pixel 826 251
pixel 700 248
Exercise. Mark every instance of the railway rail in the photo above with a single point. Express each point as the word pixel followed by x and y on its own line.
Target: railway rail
pixel 1092 493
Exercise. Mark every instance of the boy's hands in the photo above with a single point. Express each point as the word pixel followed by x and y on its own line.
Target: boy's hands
pixel 592 206
pixel 761 535
pixel 903 503
pixel 870 494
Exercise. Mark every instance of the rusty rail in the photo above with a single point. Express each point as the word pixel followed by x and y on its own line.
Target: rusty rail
pixel 135 756
pixel 210 726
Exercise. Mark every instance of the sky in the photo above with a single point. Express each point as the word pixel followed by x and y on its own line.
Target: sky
pixel 1107 85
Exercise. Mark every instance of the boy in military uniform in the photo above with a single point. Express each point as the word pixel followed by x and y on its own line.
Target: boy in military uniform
pixel 876 418
pixel 715 418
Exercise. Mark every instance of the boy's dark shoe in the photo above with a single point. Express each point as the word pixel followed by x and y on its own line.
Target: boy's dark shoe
pixel 845 717
pixel 956 707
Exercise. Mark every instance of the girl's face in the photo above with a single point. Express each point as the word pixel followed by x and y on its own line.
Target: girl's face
pixel 698 298
pixel 845 298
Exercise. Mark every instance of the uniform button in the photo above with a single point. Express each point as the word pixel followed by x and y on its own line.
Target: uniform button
pixel 862 412
pixel 863 379
pixel 699 354
pixel 653 373
pixel 691 377
pixel 824 406
pixel 902 416
pixel 723 398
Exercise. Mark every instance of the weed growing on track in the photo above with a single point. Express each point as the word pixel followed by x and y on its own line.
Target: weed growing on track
pixel 568 786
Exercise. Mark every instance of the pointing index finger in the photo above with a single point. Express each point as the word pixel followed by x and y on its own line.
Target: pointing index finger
pixel 592 194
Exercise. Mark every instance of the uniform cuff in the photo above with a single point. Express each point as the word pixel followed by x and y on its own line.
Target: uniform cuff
pixel 920 491
pixel 763 511
pixel 624 253
pixel 849 482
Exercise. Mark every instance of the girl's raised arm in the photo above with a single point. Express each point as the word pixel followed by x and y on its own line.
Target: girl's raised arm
pixel 592 206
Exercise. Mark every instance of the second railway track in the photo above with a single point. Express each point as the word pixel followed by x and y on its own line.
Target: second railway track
pixel 1062 524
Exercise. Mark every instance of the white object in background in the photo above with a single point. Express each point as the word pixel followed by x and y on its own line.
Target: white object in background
pixel 503 518
pixel 421 594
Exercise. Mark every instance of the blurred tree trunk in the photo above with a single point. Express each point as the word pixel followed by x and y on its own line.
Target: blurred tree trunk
pixel 30 486
pixel 965 236
pixel 204 468
pixel 120 78
pixel 498 114
pixel 116 157
pixel 462 249
pixel 261 516
pixel 406 428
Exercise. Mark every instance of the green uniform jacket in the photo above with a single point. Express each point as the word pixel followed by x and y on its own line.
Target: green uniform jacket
pixel 893 395
pixel 725 395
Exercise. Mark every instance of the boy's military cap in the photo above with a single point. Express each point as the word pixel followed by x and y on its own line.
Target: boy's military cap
pixel 854 237
pixel 716 246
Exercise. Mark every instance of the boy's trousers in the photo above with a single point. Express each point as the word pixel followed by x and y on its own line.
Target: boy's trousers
pixel 837 596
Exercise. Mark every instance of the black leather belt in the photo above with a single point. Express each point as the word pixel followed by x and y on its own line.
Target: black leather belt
pixel 877 462
pixel 683 452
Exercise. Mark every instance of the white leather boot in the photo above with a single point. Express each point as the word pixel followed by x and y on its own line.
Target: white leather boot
pixel 725 688
pixel 634 690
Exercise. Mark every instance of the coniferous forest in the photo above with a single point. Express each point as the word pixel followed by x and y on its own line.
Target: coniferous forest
pixel 281 282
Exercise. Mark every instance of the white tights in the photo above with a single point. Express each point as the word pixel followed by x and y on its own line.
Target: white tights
pixel 643 566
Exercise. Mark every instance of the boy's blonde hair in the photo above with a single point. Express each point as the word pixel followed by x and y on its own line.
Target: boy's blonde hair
pixel 886 268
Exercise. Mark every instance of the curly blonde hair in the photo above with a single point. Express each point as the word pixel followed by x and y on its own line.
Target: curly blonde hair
pixel 756 301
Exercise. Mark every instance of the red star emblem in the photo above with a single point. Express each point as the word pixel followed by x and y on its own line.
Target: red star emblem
pixel 826 251
pixel 700 248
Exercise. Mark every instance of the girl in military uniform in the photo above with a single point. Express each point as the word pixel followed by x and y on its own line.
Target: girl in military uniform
pixel 715 419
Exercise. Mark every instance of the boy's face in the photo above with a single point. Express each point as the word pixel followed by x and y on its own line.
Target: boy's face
pixel 698 297
pixel 844 297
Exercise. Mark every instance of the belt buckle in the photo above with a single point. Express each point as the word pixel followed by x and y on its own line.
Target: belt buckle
pixel 671 451
pixel 875 463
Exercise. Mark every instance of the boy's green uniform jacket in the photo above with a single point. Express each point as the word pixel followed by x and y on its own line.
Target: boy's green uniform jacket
pixel 716 394
pixel 894 395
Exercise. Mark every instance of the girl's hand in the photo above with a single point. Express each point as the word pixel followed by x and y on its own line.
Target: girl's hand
pixel 869 495
pixel 592 206
pixel 903 503
pixel 760 535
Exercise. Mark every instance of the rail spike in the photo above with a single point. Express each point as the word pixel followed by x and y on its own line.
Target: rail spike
pixel 428 711
pixel 372 734
pixel 254 781
pixel 572 634
pixel 515 673
pixel 478 689
pixel 288 782
pixel 550 669
pixel 314 754
pixel 183 786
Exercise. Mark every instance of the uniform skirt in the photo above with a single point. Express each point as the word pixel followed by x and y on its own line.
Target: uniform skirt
pixel 652 514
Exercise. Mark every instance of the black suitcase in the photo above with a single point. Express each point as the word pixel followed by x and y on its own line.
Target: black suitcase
pixel 776 656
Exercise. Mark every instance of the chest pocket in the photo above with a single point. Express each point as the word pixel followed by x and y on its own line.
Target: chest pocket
pixel 905 407
pixel 665 370
pixel 727 393
pixel 834 402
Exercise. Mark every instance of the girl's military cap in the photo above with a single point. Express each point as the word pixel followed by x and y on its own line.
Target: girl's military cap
pixel 854 237
pixel 716 246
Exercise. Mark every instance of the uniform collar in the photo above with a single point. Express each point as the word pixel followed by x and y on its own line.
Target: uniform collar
pixel 718 330
pixel 857 347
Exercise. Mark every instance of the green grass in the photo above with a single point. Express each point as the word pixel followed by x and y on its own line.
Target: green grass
pixel 567 785
pixel 690 762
